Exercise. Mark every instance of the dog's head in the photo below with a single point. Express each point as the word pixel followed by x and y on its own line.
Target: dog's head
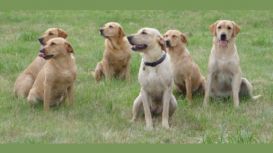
pixel 224 31
pixel 146 39
pixel 52 33
pixel 112 29
pixel 56 47
pixel 175 38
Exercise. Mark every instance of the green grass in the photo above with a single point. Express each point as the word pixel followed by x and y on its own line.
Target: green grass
pixel 102 111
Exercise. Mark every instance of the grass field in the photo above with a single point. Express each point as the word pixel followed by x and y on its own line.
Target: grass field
pixel 102 111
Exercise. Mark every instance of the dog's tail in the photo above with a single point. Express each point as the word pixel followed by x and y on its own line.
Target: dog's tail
pixel 256 97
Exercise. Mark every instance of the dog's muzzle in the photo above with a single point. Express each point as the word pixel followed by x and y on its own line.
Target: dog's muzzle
pixel 168 43
pixel 136 47
pixel 101 32
pixel 41 40
pixel 223 37
pixel 130 39
pixel 44 55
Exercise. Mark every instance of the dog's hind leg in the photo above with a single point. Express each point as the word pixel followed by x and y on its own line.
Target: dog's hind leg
pixel 246 90
pixel 23 85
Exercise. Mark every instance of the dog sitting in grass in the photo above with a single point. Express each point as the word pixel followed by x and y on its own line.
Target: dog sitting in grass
pixel 55 82
pixel 187 76
pixel 155 78
pixel 117 54
pixel 224 71
pixel 26 79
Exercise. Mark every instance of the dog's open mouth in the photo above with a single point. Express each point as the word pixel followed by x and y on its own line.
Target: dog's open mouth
pixel 43 55
pixel 139 47
pixel 223 43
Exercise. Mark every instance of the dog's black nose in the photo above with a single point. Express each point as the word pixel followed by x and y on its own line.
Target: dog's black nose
pixel 223 37
pixel 168 43
pixel 101 31
pixel 41 40
pixel 42 50
pixel 130 38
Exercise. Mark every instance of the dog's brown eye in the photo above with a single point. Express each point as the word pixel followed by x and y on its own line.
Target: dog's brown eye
pixel 143 32
pixel 165 36
pixel 110 26
pixel 52 44
pixel 228 27
pixel 50 34
pixel 219 27
pixel 174 36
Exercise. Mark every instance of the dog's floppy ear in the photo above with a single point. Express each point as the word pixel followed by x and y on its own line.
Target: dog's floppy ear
pixel 236 29
pixel 161 43
pixel 212 28
pixel 121 32
pixel 184 38
pixel 69 48
pixel 62 33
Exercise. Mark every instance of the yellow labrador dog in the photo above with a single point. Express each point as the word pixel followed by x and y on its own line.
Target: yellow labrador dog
pixel 26 79
pixel 224 72
pixel 55 81
pixel 155 77
pixel 117 54
pixel 187 76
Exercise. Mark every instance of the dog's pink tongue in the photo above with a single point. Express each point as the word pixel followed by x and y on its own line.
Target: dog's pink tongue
pixel 223 43
pixel 41 54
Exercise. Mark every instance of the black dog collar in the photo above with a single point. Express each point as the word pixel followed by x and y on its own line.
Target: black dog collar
pixel 153 64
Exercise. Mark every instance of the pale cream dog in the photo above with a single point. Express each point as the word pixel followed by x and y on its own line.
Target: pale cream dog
pixel 224 72
pixel 155 77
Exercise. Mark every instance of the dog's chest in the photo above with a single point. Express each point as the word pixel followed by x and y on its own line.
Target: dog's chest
pixel 223 73
pixel 63 79
pixel 119 59
pixel 153 80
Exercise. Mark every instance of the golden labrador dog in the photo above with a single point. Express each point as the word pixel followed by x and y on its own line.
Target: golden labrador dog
pixel 26 79
pixel 187 76
pixel 155 77
pixel 224 72
pixel 55 81
pixel 117 55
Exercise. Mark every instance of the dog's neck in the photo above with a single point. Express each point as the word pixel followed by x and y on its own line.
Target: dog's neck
pixel 152 55
pixel 177 51
pixel 63 61
pixel 114 42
